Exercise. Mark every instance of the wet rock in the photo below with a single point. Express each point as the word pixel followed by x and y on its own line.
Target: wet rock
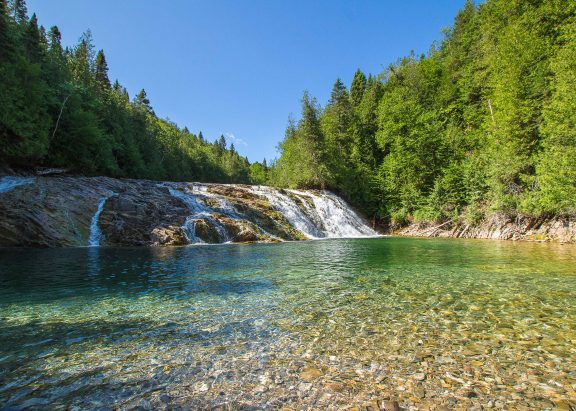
pixel 57 211
pixel 335 386
pixel 564 406
pixel 420 376
pixel 390 406
pixel 206 232
pixel 310 374
pixel 168 236
pixel 260 389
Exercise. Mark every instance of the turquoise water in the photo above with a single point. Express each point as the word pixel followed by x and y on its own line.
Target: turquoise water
pixel 313 325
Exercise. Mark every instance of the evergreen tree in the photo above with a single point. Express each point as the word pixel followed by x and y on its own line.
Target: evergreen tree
pixel 220 145
pixel 357 88
pixel 102 80
pixel 32 40
pixel 55 40
pixel 82 60
pixel 141 101
pixel 19 11
pixel 5 41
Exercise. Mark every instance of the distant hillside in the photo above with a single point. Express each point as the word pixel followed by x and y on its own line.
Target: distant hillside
pixel 59 108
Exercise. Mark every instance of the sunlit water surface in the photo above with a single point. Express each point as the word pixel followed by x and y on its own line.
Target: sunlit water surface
pixel 320 325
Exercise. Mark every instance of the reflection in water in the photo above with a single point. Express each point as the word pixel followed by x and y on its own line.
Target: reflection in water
pixel 320 324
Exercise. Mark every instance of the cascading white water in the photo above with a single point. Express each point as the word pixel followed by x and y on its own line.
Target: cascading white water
pixel 338 219
pixel 9 183
pixel 315 215
pixel 95 237
pixel 199 211
pixel 290 210
pixel 328 217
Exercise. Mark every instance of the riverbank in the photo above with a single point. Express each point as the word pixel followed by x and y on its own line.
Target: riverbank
pixel 499 226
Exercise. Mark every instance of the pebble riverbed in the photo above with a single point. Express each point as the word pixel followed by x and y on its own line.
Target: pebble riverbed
pixel 338 324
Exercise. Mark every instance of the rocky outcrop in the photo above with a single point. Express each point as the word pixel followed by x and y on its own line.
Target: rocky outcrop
pixel 500 226
pixel 59 210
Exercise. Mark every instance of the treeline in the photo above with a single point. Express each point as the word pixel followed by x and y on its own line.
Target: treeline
pixel 58 108
pixel 485 121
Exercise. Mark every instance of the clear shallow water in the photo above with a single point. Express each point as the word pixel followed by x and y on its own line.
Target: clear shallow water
pixel 321 325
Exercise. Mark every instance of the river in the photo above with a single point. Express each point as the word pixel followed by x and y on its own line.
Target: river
pixel 320 324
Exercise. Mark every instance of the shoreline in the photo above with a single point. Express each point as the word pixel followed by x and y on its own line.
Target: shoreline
pixel 498 226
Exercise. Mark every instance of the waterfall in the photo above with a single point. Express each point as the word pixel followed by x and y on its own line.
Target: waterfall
pixel 199 211
pixel 322 215
pixel 95 236
pixel 314 214
pixel 291 211
pixel 9 183
pixel 338 218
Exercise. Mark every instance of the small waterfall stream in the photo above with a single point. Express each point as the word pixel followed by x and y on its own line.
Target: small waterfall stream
pixel 95 237
pixel 199 211
pixel 337 218
pixel 9 183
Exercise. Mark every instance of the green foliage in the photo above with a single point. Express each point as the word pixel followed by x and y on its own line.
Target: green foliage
pixel 357 88
pixel 19 11
pixel 58 108
pixel 556 165
pixel 101 75
pixel 485 121
pixel 258 173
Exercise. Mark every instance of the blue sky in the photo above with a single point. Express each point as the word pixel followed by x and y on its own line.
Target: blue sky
pixel 239 68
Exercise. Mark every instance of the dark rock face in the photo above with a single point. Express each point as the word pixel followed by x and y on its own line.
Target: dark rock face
pixel 50 212
pixel 142 213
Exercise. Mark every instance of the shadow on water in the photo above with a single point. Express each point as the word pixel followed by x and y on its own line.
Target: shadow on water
pixel 38 372
pixel 40 276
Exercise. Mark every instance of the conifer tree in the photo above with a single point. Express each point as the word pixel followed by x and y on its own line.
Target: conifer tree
pixel 5 43
pixel 32 40
pixel 82 60
pixel 102 80
pixel 357 88
pixel 222 142
pixel 19 11
pixel 310 131
pixel 55 42
pixel 141 100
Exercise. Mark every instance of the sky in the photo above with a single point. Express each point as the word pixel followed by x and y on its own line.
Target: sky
pixel 240 67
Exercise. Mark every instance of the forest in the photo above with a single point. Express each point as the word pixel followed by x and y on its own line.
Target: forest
pixel 484 122
pixel 58 108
